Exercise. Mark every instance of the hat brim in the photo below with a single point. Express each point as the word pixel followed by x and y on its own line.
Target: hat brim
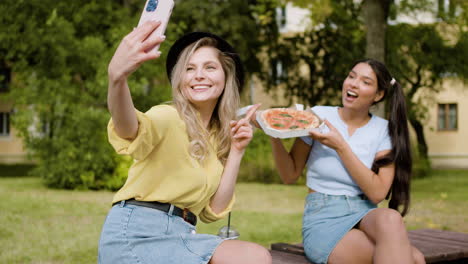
pixel 192 37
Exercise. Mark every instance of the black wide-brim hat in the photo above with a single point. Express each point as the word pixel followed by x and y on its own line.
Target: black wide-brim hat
pixel 222 45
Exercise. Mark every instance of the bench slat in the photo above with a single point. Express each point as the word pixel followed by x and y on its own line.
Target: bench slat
pixel 438 246
pixel 435 252
pixel 446 241
pixel 280 257
pixel 292 249
pixel 449 235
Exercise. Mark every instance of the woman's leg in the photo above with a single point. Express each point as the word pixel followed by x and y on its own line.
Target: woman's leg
pixel 357 247
pixel 418 256
pixel 385 227
pixel 354 247
pixel 236 251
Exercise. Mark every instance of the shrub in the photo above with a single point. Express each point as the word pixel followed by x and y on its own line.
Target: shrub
pixel 78 155
pixel 421 165
pixel 258 164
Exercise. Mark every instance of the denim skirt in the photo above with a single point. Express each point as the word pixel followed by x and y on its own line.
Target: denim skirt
pixel 133 234
pixel 327 218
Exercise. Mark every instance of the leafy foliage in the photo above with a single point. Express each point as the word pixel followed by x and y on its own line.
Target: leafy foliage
pixel 59 59
pixel 421 66
pixel 233 20
pixel 258 164
pixel 314 62
pixel 58 52
pixel 418 65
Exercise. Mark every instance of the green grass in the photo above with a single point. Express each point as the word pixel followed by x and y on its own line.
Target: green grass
pixel 41 225
pixel 440 201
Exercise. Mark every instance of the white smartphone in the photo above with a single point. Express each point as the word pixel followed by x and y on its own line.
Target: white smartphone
pixel 157 10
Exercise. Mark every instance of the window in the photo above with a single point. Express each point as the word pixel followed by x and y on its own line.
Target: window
pixel 278 72
pixel 281 18
pixel 281 72
pixel 447 9
pixel 4 124
pixel 447 117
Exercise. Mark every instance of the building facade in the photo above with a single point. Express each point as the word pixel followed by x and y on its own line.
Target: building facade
pixel 12 150
pixel 446 128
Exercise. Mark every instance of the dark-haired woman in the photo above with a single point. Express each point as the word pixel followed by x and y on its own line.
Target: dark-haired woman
pixel 351 167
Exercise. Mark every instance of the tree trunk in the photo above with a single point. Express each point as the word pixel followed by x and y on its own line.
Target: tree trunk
pixel 375 18
pixel 375 14
pixel 418 126
pixel 422 145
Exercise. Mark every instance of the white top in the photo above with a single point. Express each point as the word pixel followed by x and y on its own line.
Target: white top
pixel 326 172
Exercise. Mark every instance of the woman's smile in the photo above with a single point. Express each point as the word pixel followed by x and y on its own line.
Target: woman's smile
pixel 204 78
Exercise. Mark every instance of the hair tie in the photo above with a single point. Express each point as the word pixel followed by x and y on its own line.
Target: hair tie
pixel 392 82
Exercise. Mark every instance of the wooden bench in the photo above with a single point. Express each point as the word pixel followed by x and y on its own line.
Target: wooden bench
pixel 438 246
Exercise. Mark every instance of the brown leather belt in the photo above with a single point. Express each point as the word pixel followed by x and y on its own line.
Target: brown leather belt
pixel 185 214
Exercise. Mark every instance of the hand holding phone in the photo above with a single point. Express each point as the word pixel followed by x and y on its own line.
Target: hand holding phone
pixel 157 10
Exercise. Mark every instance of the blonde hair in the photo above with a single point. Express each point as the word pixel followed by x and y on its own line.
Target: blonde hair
pixel 218 133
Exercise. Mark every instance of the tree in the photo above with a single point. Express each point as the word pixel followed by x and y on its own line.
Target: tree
pixel 233 20
pixel 57 53
pixel 375 13
pixel 311 65
pixel 421 56
pixel 421 66
pixel 335 39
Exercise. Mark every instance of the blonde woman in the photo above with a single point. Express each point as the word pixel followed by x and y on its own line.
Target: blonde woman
pixel 187 154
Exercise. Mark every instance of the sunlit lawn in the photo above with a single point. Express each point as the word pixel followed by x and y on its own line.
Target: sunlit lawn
pixel 40 225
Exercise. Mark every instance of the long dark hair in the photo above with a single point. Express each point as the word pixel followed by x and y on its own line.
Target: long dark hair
pixel 400 155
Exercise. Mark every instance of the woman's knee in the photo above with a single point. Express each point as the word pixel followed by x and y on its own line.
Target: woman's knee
pixel 418 256
pixel 235 251
pixel 264 256
pixel 259 254
pixel 389 220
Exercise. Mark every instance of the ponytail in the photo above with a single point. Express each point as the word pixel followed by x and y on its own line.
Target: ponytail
pixel 400 154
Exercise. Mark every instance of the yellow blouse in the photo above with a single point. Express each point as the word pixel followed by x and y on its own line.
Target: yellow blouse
pixel 163 169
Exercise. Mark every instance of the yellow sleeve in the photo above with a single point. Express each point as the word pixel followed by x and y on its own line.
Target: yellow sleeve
pixel 207 215
pixel 138 148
